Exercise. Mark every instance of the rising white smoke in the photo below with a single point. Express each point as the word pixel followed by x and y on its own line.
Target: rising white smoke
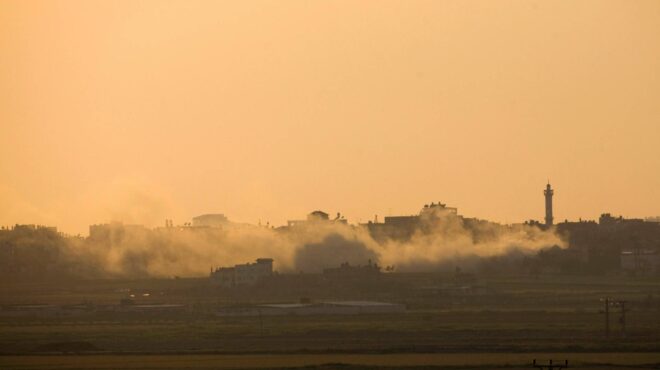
pixel 186 251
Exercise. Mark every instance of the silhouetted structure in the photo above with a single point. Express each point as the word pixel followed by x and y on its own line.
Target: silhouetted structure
pixel 316 217
pixel 548 192
pixel 403 227
pixel 612 244
pixel 347 271
pixel 36 253
pixel 210 220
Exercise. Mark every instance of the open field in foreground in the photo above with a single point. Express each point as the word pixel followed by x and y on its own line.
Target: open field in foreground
pixel 331 361
pixel 412 332
pixel 505 322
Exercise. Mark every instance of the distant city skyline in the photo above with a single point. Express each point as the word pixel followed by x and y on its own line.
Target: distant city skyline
pixel 216 219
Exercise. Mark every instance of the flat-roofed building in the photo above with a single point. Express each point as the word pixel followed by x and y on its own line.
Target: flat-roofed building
pixel 210 220
pixel 640 262
pixel 244 274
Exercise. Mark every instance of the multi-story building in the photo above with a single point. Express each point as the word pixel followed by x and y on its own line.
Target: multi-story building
pixel 403 227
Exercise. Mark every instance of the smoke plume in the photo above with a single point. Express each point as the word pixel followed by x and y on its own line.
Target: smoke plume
pixel 439 239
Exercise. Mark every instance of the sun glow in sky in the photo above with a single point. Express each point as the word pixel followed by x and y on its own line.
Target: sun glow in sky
pixel 266 110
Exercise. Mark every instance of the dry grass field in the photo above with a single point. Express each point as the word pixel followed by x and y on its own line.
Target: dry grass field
pixel 512 321
pixel 332 361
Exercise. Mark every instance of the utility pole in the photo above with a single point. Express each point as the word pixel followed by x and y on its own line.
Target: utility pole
pixel 551 366
pixel 621 304
pixel 606 301
pixel 622 318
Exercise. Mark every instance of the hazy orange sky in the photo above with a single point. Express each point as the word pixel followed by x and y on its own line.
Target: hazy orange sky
pixel 266 110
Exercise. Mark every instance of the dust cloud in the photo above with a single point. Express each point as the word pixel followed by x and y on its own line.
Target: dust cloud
pixel 439 239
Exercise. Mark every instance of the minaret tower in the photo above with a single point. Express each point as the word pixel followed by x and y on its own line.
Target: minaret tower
pixel 548 192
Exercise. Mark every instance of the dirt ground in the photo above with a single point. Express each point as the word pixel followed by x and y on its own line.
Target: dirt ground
pixel 336 361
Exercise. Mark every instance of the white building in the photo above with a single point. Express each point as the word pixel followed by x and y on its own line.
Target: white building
pixel 640 262
pixel 245 274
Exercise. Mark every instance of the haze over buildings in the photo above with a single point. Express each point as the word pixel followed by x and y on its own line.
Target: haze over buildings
pixel 435 238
